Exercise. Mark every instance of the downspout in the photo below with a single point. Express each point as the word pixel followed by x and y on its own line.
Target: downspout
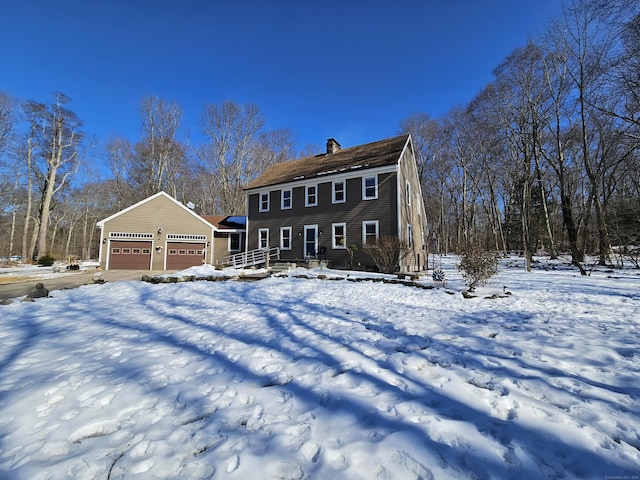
pixel 212 247
pixel 101 246
pixel 246 225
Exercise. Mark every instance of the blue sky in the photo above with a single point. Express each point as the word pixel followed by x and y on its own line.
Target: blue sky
pixel 350 69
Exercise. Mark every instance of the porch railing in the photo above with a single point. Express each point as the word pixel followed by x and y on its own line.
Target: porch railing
pixel 250 259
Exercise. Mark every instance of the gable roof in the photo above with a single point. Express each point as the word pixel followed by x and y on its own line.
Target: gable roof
pixel 370 155
pixel 148 199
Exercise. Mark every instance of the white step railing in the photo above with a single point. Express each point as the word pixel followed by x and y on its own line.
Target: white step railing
pixel 250 258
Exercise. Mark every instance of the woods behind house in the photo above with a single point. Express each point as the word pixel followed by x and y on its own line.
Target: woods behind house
pixel 544 158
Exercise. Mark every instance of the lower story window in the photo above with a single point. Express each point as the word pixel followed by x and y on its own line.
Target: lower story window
pixel 339 235
pixel 234 242
pixel 369 232
pixel 285 238
pixel 263 238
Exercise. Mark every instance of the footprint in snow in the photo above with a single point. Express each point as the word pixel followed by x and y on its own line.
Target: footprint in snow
pixel 233 464
pixel 286 471
pixel 410 466
pixel 311 451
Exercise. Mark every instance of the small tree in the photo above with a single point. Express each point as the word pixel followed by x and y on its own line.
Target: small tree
pixel 477 266
pixel 387 252
pixel 46 260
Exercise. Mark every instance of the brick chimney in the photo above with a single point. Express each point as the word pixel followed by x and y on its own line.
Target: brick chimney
pixel 332 146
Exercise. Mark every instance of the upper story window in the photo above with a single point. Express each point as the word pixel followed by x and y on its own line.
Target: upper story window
pixel 339 192
pixel 369 187
pixel 286 199
pixel 311 196
pixel 264 202
pixel 409 236
pixel 408 193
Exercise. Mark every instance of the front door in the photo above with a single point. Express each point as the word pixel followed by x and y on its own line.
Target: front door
pixel 310 241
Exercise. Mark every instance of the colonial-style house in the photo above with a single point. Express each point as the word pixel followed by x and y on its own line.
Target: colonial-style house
pixel 330 205
pixel 160 233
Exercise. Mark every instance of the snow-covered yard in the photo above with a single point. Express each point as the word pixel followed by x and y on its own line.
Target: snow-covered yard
pixel 291 378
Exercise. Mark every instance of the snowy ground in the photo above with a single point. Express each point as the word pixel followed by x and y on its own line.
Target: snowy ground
pixel 26 271
pixel 291 378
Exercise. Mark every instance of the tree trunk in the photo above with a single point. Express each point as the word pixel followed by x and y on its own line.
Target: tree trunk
pixel 45 210
pixel 27 252
pixel 552 247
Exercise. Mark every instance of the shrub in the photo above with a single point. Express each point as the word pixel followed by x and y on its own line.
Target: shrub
pixel 46 260
pixel 477 267
pixel 387 252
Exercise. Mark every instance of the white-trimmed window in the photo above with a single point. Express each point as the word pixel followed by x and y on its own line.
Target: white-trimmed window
pixel 285 199
pixel 407 191
pixel 264 202
pixel 234 242
pixel 339 192
pixel 339 235
pixel 310 195
pixel 369 187
pixel 409 236
pixel 285 238
pixel 263 238
pixel 369 232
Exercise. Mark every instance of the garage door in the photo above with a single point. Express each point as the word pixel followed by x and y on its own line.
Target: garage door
pixel 129 255
pixel 182 255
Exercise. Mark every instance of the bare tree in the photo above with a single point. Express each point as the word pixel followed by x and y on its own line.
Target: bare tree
pixel 8 179
pixel 237 151
pixel 227 158
pixel 119 156
pixel 6 120
pixel 58 140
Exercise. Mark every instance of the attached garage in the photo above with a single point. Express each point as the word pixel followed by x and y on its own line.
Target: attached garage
pixel 131 255
pixel 160 233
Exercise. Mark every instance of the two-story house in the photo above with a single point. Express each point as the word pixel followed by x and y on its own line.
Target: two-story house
pixel 330 205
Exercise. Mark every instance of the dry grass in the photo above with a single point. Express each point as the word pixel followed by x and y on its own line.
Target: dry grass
pixel 14 278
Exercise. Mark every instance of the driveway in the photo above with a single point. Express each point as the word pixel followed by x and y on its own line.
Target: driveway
pixel 21 287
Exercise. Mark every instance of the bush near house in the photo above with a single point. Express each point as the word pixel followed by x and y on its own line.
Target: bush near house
pixel 46 261
pixel 387 252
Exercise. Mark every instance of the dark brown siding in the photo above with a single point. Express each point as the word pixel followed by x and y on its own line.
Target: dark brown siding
pixel 353 212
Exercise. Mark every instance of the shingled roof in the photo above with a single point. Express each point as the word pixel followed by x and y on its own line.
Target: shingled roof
pixel 226 222
pixel 370 155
